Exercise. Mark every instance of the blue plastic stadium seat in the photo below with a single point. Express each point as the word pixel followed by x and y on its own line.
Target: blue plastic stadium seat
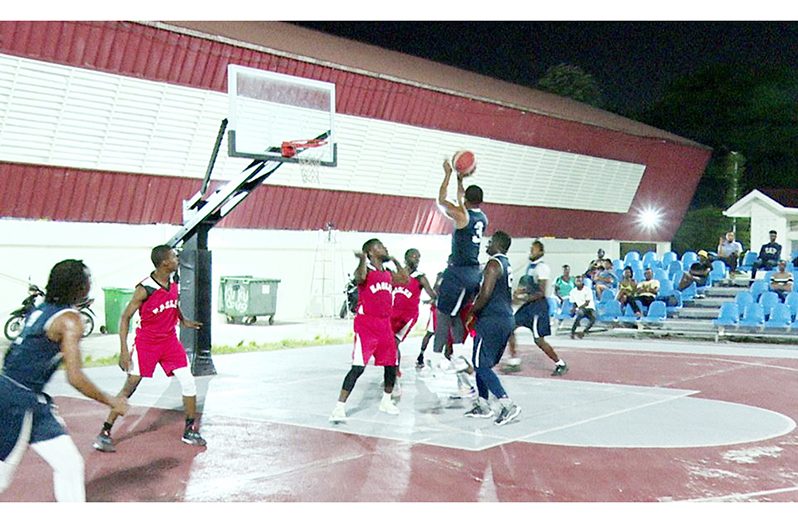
pixel 729 315
pixel 554 306
pixel 657 313
pixel 675 268
pixel 719 271
pixel 628 315
pixel 757 288
pixel 743 299
pixel 608 311
pixel 565 310
pixel 617 264
pixel 631 256
pixel 607 295
pixel 748 261
pixel 688 258
pixel 768 300
pixel 753 316
pixel 792 302
pixel 669 257
pixel 780 317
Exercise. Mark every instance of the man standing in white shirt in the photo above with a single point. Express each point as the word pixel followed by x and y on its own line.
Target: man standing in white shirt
pixel 583 305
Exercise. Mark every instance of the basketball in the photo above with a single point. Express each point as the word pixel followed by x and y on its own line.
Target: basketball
pixel 464 162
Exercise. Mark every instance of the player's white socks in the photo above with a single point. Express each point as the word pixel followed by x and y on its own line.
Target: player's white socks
pixel 560 362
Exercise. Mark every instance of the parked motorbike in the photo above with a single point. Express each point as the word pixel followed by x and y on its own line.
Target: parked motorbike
pixel 15 324
pixel 350 302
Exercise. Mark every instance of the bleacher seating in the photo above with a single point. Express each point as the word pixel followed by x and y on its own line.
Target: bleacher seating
pixel 792 302
pixel 630 257
pixel 688 258
pixel 565 310
pixel 729 315
pixel 675 268
pixel 719 271
pixel 657 313
pixel 743 299
pixel 780 317
pixel 768 300
pixel 628 315
pixel 668 257
pixel 608 311
pixel 748 261
pixel 757 288
pixel 753 316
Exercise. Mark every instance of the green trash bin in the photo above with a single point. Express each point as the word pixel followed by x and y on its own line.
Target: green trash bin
pixel 116 299
pixel 243 298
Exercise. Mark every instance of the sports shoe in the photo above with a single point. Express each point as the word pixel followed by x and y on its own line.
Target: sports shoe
pixel 512 365
pixel 460 364
pixel 104 443
pixel 425 373
pixel 478 411
pixel 338 414
pixel 464 393
pixel 560 370
pixel 508 414
pixel 193 438
pixel 389 407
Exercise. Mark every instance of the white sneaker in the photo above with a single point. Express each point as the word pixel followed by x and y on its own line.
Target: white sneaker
pixel 458 364
pixel 338 414
pixel 389 407
pixel 426 372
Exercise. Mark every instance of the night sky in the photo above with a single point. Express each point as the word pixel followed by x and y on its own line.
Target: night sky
pixel 631 61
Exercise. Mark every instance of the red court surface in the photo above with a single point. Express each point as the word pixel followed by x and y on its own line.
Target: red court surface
pixel 249 459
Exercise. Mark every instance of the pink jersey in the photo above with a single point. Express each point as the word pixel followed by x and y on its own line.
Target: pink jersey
pixel 159 313
pixel 374 296
pixel 407 297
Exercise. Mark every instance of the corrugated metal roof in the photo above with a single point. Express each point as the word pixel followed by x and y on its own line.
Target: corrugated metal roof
pixel 377 62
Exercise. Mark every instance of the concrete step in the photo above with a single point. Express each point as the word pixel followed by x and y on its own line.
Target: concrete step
pixel 728 292
pixel 708 303
pixel 701 313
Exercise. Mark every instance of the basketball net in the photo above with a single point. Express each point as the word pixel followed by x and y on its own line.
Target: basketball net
pixel 309 162
pixel 308 155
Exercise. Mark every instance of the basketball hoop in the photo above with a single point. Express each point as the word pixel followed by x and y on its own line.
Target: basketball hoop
pixel 308 156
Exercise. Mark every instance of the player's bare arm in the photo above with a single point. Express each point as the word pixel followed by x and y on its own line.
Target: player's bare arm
pixel 400 276
pixel 492 272
pixel 427 287
pixel 139 297
pixel 67 331
pixel 187 323
pixel 456 212
pixel 360 271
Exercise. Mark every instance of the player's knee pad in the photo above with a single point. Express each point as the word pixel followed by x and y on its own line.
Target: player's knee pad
pixel 187 382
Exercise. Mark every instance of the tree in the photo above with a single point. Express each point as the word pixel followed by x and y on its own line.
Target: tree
pixel 572 82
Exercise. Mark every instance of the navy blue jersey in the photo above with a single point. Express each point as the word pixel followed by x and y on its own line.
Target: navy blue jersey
pixel 466 241
pixel 33 357
pixel 500 302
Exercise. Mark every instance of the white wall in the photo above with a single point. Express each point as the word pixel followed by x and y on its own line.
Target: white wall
pixel 118 256
pixel 763 220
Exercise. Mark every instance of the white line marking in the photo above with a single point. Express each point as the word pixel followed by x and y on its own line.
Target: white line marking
pixel 741 496
pixel 609 414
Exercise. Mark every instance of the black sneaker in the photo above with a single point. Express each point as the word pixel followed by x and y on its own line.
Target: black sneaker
pixel 560 370
pixel 104 443
pixel 420 361
pixel 478 411
pixel 508 414
pixel 193 438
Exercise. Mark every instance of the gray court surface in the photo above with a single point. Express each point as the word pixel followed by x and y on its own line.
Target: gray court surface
pixel 299 387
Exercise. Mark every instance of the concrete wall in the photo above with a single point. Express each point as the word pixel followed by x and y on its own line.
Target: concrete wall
pixel 312 265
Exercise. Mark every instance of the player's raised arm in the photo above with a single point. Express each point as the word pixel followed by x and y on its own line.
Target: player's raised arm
pixel 360 271
pixel 401 276
pixel 456 212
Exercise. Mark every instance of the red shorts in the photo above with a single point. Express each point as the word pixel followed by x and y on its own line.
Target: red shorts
pixel 145 355
pixel 403 323
pixel 431 322
pixel 374 337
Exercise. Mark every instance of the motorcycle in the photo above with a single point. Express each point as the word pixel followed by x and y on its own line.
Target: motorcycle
pixel 15 324
pixel 350 302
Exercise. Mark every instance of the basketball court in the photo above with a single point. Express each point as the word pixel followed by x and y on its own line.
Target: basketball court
pixel 631 421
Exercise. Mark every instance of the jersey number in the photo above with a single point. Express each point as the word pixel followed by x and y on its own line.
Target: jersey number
pixel 478 230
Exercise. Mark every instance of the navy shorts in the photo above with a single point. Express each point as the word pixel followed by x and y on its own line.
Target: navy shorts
pixel 535 317
pixel 14 404
pixel 459 285
pixel 491 339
